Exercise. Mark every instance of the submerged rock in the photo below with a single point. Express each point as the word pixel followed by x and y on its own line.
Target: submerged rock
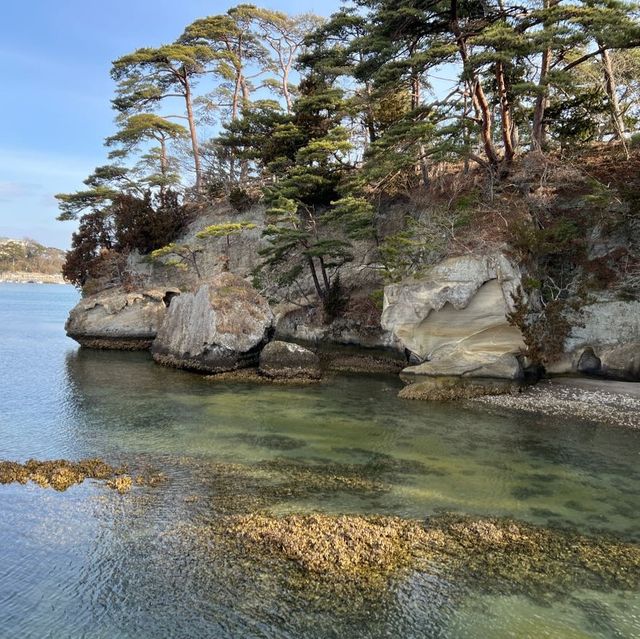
pixel 504 555
pixel 221 327
pixel 453 388
pixel 60 474
pixel 288 360
pixel 117 319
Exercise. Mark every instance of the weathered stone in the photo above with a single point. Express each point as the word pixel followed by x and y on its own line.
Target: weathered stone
pixel 589 362
pixel 605 323
pixel 621 362
pixel 116 319
pixel 456 314
pixel 455 388
pixel 464 364
pixel 221 327
pixel 288 360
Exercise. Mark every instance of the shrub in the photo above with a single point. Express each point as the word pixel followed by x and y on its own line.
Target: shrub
pixel 241 199
pixel 147 223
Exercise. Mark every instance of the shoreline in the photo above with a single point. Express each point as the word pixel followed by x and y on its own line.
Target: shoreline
pixel 24 277
pixel 594 401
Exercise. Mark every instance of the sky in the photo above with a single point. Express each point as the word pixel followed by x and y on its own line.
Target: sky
pixel 55 109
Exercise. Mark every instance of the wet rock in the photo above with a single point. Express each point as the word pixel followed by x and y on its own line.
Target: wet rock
pixel 221 327
pixel 289 361
pixel 117 319
pixel 122 484
pixel 58 474
pixel 456 388
pixel 503 555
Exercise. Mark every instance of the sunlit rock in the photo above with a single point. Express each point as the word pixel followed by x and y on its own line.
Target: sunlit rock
pixel 221 327
pixel 117 319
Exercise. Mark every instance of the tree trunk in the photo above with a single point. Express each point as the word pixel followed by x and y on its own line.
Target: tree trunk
pixel 192 131
pixel 611 87
pixel 539 130
pixel 314 275
pixel 325 277
pixel 506 114
pixel 478 97
pixel 164 165
pixel 285 87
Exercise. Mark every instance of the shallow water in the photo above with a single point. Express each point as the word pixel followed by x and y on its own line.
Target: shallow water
pixel 91 563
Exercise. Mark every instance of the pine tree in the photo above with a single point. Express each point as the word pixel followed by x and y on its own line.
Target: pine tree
pixel 148 76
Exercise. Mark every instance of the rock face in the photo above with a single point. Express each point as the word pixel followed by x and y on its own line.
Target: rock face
pixel 115 319
pixel 221 327
pixel 289 361
pixel 605 342
pixel 454 318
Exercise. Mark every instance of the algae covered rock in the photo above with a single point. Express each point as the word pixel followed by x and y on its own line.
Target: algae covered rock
pixel 221 327
pixel 503 555
pixel 58 474
pixel 288 360
pixel 451 388
pixel 118 319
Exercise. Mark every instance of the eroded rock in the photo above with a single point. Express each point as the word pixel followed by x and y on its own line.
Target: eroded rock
pixel 453 323
pixel 451 388
pixel 464 364
pixel 117 319
pixel 288 360
pixel 221 327
pixel 461 303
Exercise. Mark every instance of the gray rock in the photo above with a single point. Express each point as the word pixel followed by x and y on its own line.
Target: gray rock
pixel 589 363
pixel 221 327
pixel 605 323
pixel 288 360
pixel 621 362
pixel 456 388
pixel 117 319
pixel 463 364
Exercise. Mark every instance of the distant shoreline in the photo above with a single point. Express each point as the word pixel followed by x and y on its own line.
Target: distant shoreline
pixel 23 277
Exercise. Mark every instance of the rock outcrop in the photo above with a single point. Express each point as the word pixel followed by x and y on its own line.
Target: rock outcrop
pixel 286 360
pixel 453 320
pixel 605 342
pixel 116 319
pixel 221 327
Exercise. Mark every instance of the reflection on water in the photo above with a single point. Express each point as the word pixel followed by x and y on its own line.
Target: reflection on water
pixel 91 563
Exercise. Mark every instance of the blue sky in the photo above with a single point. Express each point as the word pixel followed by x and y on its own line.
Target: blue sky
pixel 55 111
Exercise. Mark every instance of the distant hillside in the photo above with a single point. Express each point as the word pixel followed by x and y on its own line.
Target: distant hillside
pixel 24 257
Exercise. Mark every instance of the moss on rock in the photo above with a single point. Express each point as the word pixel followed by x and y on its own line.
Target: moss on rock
pixel 444 389
pixel 500 554
pixel 61 474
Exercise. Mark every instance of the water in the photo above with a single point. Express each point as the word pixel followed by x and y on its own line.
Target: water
pixel 91 563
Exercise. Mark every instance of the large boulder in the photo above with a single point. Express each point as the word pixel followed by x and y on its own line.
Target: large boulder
pixel 286 360
pixel 221 327
pixel 117 319
pixel 453 320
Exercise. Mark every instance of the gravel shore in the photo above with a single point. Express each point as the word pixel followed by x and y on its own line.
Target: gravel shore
pixel 594 401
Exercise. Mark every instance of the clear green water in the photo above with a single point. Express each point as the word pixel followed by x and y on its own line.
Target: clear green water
pixel 90 563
